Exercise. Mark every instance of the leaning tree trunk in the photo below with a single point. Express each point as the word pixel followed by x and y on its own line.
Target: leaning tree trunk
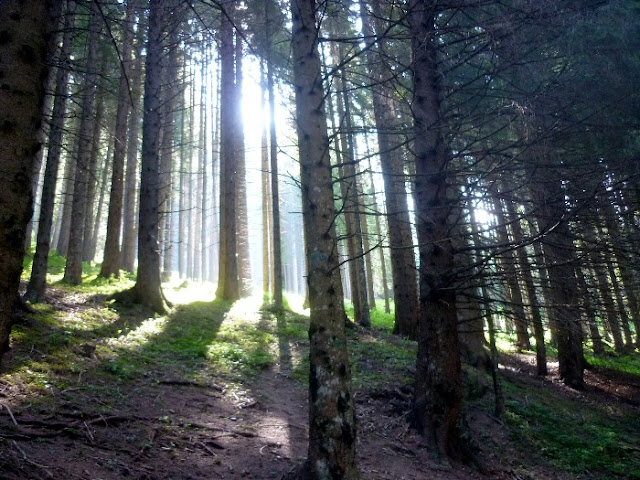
pixel 23 30
pixel 332 432
pixel 438 386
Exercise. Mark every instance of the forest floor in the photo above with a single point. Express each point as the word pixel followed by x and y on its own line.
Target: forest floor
pixel 96 390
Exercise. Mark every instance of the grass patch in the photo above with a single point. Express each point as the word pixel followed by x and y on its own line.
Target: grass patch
pixel 574 437
pixel 621 363
pixel 195 336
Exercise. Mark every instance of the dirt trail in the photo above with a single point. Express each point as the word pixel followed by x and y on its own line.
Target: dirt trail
pixel 164 427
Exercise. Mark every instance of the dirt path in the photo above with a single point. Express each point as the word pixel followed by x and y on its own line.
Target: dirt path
pixel 157 425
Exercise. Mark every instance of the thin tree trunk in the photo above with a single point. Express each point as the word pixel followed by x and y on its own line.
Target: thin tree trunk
pixel 88 238
pixel 538 328
pixel 242 220
pixel 129 219
pixel 274 204
pixel 112 254
pixel 403 263
pixel 73 267
pixel 507 262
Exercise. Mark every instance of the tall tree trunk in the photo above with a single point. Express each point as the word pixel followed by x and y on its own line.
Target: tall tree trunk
pixel 23 29
pixel 266 190
pixel 228 281
pixel 332 432
pixel 112 255
pixel 353 223
pixel 559 253
pixel 242 220
pixel 37 281
pixel 596 338
pixel 65 211
pixel 523 261
pixel 438 386
pixel 148 287
pixel 403 263
pixel 92 177
pixel 129 219
pixel 73 267
pixel 276 234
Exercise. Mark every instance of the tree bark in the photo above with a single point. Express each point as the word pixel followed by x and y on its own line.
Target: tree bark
pixel 403 263
pixel 276 235
pixel 112 254
pixel 438 386
pixel 332 432
pixel 148 287
pixel 24 27
pixel 228 281
pixel 38 280
pixel 73 267
pixel 129 228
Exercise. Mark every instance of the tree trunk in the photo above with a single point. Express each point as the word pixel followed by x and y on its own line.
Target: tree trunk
pixel 68 179
pixel 112 255
pixel 559 252
pixel 228 281
pixel 275 192
pixel 332 432
pixel 38 280
pixel 89 241
pixel 438 386
pixel 148 287
pixel 403 263
pixel 23 30
pixel 538 328
pixel 515 305
pixel 242 219
pixel 73 267
pixel 129 228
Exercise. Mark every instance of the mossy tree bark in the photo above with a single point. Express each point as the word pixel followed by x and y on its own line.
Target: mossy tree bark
pixel 332 432
pixel 23 46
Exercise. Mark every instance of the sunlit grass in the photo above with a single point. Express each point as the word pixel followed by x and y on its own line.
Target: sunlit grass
pixel 622 363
